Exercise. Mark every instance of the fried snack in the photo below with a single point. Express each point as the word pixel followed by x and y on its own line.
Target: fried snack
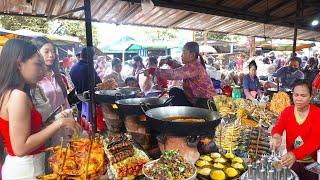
pixel 242 113
pixel 108 84
pixel 248 122
pixel 279 102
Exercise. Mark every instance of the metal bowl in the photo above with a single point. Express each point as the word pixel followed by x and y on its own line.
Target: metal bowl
pixel 150 163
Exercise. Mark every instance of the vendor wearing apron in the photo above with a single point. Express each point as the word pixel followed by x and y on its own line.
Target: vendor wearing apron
pixel 197 85
pixel 20 122
pixel 301 123
pixel 251 85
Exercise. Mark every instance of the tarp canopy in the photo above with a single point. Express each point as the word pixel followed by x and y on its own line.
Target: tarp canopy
pixel 270 18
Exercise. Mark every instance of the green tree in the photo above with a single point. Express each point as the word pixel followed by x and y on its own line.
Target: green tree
pixel 21 22
pixel 199 36
pixel 76 29
pixel 69 28
pixel 160 34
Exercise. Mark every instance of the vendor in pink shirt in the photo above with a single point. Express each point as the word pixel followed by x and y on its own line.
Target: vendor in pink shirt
pixel 197 85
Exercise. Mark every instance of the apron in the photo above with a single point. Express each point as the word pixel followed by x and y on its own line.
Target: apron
pixel 23 168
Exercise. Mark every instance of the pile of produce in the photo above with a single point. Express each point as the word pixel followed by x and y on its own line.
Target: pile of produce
pixel 170 166
pixel 126 159
pixel 216 166
pixel 81 159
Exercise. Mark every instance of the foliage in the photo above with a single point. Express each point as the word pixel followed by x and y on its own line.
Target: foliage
pixel 76 29
pixel 21 22
pixel 159 34
pixel 66 27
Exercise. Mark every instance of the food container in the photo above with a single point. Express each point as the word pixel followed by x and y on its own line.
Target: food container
pixel 149 164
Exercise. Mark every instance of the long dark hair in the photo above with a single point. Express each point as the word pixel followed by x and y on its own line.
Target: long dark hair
pixel 13 52
pixel 39 42
pixel 193 47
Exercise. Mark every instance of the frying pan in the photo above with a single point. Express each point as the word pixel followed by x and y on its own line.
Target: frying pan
pixel 138 106
pixel 110 96
pixel 157 119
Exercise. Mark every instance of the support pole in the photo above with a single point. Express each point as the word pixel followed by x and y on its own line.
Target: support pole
pixel 92 104
pixel 295 35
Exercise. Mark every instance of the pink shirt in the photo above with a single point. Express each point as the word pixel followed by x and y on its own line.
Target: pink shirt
pixel 196 81
pixel 53 92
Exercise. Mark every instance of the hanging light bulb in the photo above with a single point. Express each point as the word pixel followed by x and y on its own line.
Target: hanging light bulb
pixel 315 22
pixel 147 6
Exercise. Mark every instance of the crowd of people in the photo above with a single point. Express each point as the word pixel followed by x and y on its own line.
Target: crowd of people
pixel 34 87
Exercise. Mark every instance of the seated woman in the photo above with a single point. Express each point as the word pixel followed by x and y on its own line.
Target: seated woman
pixel 251 85
pixel 197 85
pixel 300 121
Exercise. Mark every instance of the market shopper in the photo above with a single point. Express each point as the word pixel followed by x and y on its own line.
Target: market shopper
pixel 287 75
pixel 300 121
pixel 53 85
pixel 20 122
pixel 80 75
pixel 251 85
pixel 197 85
pixel 147 82
pixel 116 72
pixel 137 66
pixel 311 70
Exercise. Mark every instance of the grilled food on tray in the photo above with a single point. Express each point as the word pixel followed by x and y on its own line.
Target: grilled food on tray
pixel 126 160
pixel 119 147
pixel 81 159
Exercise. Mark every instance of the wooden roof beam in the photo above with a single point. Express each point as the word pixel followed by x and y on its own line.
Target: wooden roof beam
pixel 99 7
pixel 182 19
pixel 131 13
pixel 34 7
pixel 61 10
pixel 108 10
pixel 276 7
pixel 219 2
pixel 250 4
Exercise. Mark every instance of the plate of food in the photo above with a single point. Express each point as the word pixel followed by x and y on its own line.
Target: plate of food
pixel 170 166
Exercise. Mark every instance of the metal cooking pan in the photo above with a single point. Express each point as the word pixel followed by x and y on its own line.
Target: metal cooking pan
pixel 157 120
pixel 110 96
pixel 138 106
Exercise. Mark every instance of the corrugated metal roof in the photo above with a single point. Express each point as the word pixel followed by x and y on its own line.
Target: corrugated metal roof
pixel 242 17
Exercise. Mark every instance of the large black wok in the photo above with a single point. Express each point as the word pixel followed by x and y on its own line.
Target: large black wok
pixel 110 96
pixel 157 120
pixel 138 106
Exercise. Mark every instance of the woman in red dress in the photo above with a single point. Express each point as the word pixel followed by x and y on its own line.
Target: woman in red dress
pixel 301 123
